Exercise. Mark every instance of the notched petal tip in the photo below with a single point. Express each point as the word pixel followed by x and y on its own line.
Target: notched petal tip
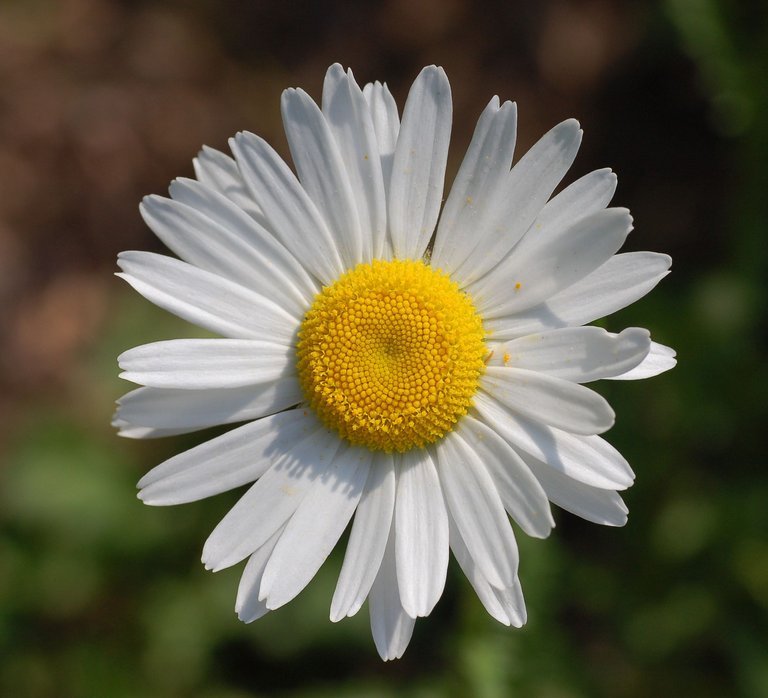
pixel 637 333
pixel 433 71
pixel 244 138
pixel 179 184
pixel 508 105
pixel 127 376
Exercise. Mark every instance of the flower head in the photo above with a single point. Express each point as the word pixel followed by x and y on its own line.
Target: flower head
pixel 422 379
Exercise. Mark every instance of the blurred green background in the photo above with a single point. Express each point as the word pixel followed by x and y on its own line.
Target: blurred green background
pixel 104 101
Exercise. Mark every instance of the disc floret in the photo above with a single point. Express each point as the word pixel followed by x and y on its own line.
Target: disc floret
pixel 390 355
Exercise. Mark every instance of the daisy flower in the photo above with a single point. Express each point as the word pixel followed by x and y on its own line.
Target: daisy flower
pixel 416 371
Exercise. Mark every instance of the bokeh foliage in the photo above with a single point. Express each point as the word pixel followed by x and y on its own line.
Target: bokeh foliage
pixel 101 596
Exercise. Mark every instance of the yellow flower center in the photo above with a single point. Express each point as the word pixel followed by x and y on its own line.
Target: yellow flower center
pixel 390 355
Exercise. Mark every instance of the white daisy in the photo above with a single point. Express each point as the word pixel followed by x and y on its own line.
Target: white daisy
pixel 423 379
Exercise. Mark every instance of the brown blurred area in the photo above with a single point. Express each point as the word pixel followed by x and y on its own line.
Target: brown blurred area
pixel 102 102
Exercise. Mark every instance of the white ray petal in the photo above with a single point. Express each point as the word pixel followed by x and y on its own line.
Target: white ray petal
pixel 479 583
pixel 421 533
pixel 248 606
pixel 206 363
pixel 270 264
pixel 594 504
pixel 315 528
pixel 206 300
pixel 589 459
pixel 548 260
pixel 270 502
pixel 367 540
pixel 586 196
pixel 505 605
pixel 219 172
pixel 579 354
pixel 233 459
pixel 349 119
pixel 418 169
pixel 199 240
pixel 553 401
pixel 129 431
pixel 473 502
pixel 391 626
pixel 516 204
pixel 208 240
pixel 520 492
pixel 622 280
pixel 660 359
pixel 464 222
pixel 163 408
pixel 386 124
pixel 322 172
pixel 292 216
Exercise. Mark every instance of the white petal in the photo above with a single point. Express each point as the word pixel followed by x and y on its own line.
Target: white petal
pixel 315 528
pixel 206 300
pixel 520 492
pixel 248 606
pixel 465 220
pixel 292 216
pixel 367 539
pixel 270 502
pixel 660 358
pixel 270 265
pixel 322 172
pixel 206 363
pixel 474 504
pixel 553 401
pixel 233 459
pixel 479 583
pixel 421 533
pixel 513 603
pixel 391 626
pixel 129 431
pixel 622 280
pixel 587 195
pixel 349 119
pixel 219 172
pixel 506 606
pixel 516 204
pixel 197 239
pixel 386 124
pixel 550 259
pixel 594 504
pixel 225 241
pixel 418 170
pixel 579 354
pixel 189 410
pixel 589 459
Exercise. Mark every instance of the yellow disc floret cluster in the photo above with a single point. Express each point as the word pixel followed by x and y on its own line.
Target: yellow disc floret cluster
pixel 390 355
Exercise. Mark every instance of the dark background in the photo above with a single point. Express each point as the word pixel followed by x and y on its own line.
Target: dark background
pixel 102 102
